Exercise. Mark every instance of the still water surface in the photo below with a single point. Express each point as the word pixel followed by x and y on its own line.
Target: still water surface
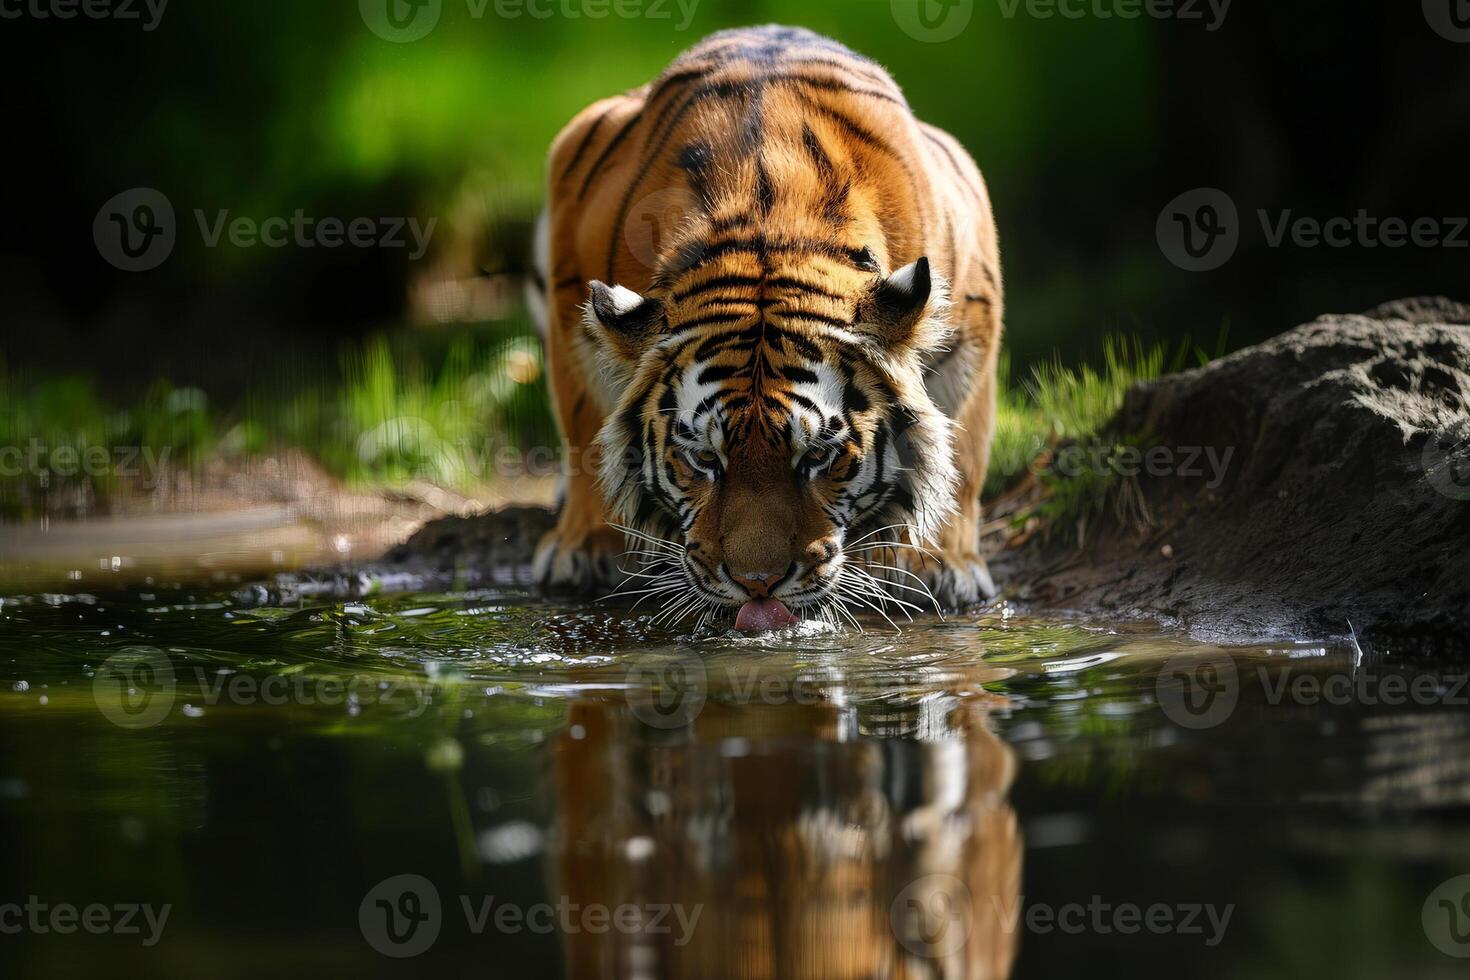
pixel 481 784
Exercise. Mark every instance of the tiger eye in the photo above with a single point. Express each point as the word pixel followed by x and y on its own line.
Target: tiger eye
pixel 704 457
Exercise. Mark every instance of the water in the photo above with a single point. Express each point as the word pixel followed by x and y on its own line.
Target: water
pixel 474 783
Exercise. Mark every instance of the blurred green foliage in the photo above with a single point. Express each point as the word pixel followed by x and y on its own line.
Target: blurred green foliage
pixel 302 106
pixel 400 411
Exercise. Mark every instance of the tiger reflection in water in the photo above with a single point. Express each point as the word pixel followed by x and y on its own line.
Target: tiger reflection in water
pixel 811 840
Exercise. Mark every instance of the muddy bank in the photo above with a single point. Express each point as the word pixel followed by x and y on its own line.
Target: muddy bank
pixel 1319 479
pixel 1345 496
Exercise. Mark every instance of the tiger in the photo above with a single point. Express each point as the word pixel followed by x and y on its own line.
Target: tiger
pixel 772 305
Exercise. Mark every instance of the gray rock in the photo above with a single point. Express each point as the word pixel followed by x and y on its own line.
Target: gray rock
pixel 1346 498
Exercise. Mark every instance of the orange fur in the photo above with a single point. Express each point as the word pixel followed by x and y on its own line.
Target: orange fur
pixel 786 173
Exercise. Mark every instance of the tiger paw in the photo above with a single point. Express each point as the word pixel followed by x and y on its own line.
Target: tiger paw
pixel 954 579
pixel 579 560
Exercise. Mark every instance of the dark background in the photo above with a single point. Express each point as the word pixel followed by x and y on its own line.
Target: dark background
pixel 1085 129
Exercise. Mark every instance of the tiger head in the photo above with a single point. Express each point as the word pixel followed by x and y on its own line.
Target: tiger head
pixel 772 426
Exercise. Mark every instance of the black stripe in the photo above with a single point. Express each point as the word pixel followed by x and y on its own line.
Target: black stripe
pixel 654 149
pixel 713 283
pixel 695 160
pixel 805 347
pixel 699 253
pixel 826 172
pixel 716 372
pixel 787 282
pixel 852 127
pixel 804 402
pixel 834 191
pixel 586 141
pixel 607 151
pixel 708 319
pixel 798 375
pixel 716 344
pixel 666 82
pixel 765 192
pixel 964 178
pixel 872 74
pixel 834 85
pixel 870 139
pixel 830 321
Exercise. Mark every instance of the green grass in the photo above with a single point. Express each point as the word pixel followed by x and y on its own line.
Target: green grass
pixel 394 418
pixel 398 410
pixel 1059 406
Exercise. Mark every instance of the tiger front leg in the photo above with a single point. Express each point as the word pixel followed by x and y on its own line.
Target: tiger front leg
pixel 583 553
pixel 951 575
pixel 581 556
pixel 952 570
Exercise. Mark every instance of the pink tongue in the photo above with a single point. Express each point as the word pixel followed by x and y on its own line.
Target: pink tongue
pixel 763 614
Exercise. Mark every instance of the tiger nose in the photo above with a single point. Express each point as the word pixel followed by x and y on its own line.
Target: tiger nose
pixel 758 584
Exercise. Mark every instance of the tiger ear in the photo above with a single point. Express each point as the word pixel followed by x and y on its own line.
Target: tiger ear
pixel 620 320
pixel 901 312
